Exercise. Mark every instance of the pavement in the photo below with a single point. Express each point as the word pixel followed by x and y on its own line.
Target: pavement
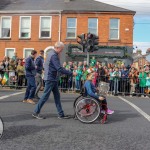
pixel 127 129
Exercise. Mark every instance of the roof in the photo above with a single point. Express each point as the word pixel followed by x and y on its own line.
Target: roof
pixel 58 5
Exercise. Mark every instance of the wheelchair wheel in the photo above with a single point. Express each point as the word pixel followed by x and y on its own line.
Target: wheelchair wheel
pixel 87 110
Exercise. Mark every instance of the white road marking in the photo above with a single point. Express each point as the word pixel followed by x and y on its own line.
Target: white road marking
pixel 6 96
pixel 136 108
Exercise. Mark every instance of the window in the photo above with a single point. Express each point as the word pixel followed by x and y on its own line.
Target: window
pixel 25 27
pixel 45 27
pixel 71 27
pixel 5 27
pixel 27 52
pixel 93 26
pixel 114 29
pixel 9 52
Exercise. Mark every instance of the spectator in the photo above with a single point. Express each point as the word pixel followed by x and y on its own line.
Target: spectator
pixel 85 66
pixel 80 64
pixel 78 78
pixel 148 83
pixel 133 75
pixel 2 68
pixel 20 72
pixel 30 72
pixel 6 63
pixel 15 57
pixel 101 73
pixel 12 69
pixel 95 75
pixel 111 81
pixel 70 81
pixel 116 75
pixel 124 80
pixel 142 78
pixel 39 61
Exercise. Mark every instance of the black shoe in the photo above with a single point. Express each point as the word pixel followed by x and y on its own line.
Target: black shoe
pixel 38 116
pixel 64 117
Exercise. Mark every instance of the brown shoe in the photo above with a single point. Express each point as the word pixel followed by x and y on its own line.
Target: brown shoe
pixel 24 101
pixel 30 101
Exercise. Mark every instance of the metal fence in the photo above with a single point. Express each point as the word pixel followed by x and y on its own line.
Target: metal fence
pixel 117 86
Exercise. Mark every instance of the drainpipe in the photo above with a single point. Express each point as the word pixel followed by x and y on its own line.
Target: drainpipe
pixel 60 17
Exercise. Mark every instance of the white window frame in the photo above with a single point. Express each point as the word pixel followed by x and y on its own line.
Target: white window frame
pixel 1 26
pixel 25 50
pixel 8 49
pixel 20 28
pixel 50 27
pixel 72 28
pixel 93 28
pixel 115 28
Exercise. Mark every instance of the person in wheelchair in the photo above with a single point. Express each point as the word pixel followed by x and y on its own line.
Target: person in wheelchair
pixel 91 90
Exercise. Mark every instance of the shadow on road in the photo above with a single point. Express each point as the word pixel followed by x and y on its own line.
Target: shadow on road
pixel 121 116
pixel 23 130
pixel 23 117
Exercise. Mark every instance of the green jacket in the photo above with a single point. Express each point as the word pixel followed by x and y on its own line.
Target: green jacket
pixel 79 74
pixel 142 79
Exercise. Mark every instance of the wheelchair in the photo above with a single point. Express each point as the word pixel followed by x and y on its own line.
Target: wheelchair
pixel 88 109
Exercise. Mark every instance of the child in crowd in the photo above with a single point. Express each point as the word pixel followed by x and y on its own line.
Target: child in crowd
pixel 91 90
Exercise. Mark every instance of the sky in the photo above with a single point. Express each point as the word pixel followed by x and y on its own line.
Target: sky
pixel 141 36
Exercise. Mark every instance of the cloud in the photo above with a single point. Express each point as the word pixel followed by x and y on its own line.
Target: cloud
pixel 142 7
pixel 141 45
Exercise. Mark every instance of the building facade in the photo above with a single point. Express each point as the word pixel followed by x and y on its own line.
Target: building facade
pixel 24 26
pixel 140 60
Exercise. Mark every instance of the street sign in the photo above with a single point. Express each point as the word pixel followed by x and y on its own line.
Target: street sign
pixel 102 52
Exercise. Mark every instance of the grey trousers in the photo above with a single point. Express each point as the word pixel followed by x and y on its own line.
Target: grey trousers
pixel 39 82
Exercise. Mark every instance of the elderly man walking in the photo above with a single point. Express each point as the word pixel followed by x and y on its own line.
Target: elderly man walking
pixel 51 68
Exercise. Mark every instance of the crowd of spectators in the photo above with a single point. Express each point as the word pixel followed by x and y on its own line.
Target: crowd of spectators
pixel 122 79
pixel 14 69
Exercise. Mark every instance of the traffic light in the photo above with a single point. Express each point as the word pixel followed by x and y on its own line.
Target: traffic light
pixel 88 41
pixel 92 42
pixel 82 41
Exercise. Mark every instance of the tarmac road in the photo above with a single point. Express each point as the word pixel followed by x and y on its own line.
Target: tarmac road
pixel 126 129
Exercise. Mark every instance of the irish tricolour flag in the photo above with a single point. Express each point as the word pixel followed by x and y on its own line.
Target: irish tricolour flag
pixel 5 79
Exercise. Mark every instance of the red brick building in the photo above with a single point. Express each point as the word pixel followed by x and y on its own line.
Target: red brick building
pixel 34 24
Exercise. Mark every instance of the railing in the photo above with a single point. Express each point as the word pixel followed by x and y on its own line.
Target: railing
pixel 117 86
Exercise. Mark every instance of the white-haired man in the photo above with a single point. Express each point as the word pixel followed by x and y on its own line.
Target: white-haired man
pixel 51 68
